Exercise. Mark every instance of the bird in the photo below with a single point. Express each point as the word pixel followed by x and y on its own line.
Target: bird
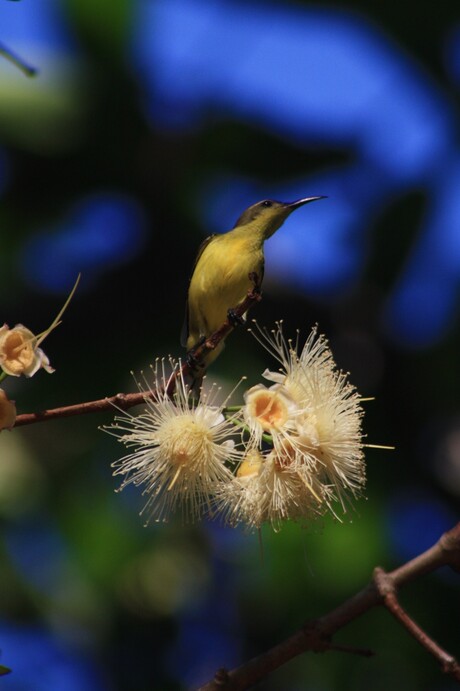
pixel 221 279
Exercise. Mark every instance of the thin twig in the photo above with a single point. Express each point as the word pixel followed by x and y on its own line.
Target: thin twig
pixel 119 400
pixel 386 588
pixel 26 69
pixel 316 635
pixel 125 401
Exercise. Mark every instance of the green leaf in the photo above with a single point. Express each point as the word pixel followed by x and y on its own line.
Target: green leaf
pixel 4 670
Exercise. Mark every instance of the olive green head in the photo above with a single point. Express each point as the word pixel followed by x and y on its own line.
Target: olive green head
pixel 269 215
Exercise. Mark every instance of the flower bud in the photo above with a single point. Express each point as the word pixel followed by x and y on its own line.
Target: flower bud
pixel 250 465
pixel 7 411
pixel 19 353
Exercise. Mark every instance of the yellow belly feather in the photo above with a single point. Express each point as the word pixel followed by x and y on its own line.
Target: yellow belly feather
pixel 220 281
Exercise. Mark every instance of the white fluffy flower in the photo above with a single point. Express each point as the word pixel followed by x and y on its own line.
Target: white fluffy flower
pixel 302 454
pixel 181 451
pixel 269 410
pixel 313 416
pixel 271 488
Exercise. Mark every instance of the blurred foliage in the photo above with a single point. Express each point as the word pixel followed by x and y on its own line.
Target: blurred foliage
pixel 106 38
pixel 105 602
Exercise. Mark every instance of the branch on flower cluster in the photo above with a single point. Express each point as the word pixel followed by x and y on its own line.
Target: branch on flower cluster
pixel 316 635
pixel 125 401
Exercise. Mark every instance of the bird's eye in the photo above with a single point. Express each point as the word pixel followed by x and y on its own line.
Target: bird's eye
pixel 267 202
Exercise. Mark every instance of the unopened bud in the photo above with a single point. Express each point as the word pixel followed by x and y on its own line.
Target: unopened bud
pixel 7 411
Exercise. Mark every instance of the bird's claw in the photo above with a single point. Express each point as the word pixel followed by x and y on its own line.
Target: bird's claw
pixel 234 318
pixel 192 362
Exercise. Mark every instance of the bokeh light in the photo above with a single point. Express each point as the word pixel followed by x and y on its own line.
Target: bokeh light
pixel 100 232
pixel 46 661
pixel 415 522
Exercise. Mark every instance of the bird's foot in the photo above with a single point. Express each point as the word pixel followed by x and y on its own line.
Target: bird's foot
pixel 194 363
pixel 234 318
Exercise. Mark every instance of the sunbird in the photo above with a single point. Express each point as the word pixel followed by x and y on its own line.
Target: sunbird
pixel 221 276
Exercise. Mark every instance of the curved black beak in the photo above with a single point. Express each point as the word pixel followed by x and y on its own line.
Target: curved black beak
pixel 305 200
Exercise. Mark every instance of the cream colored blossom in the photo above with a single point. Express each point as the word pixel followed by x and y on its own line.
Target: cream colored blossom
pixel 301 449
pixel 269 410
pixel 19 352
pixel 237 501
pixel 320 430
pixel 181 451
pixel 277 489
pixel 7 411
pixel 289 490
pixel 336 416
pixel 19 347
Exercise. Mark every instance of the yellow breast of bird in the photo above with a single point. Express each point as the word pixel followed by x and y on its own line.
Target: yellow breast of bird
pixel 220 282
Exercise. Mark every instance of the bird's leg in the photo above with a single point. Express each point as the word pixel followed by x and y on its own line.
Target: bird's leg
pixel 233 317
pixel 193 363
pixel 196 369
pixel 254 278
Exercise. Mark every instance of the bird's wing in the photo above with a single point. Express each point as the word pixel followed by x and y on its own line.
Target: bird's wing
pixel 185 326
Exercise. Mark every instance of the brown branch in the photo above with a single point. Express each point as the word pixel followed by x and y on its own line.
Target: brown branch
pixel 120 400
pixel 316 635
pixel 125 401
pixel 387 590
